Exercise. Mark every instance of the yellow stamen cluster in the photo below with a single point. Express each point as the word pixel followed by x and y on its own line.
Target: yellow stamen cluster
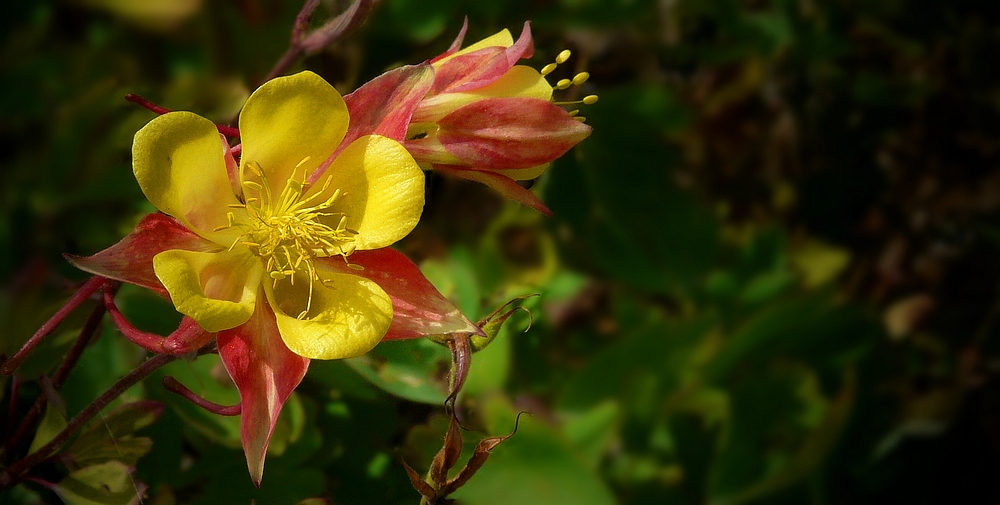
pixel 562 84
pixel 286 232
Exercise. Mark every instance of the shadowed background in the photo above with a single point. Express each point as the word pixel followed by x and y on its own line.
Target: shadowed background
pixel 771 276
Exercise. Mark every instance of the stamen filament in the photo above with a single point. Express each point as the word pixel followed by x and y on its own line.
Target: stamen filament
pixel 290 230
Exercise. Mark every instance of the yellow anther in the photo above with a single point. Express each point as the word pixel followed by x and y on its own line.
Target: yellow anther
pixel 289 230
pixel 563 84
pixel 563 56
pixel 547 69
pixel 580 118
pixel 581 78
pixel 574 112
pixel 590 99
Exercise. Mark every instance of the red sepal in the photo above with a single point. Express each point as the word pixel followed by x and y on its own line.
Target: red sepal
pixel 418 308
pixel 131 259
pixel 383 106
pixel 501 183
pixel 265 372
pixel 510 132
pixel 477 69
pixel 455 44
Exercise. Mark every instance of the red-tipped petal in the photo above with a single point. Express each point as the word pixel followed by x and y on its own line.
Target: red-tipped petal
pixel 471 70
pixel 474 70
pixel 457 43
pixel 266 373
pixel 419 309
pixel 524 47
pixel 510 132
pixel 501 183
pixel 384 106
pixel 131 259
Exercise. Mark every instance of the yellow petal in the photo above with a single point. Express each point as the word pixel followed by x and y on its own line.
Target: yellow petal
pixel 525 174
pixel 347 317
pixel 519 81
pixel 287 120
pixel 381 190
pixel 218 290
pixel 503 38
pixel 178 161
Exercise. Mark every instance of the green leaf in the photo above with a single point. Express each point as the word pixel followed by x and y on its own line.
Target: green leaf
pixel 660 352
pixel 538 459
pixel 592 432
pixel 413 369
pixel 52 423
pixel 341 379
pixel 815 448
pixel 766 286
pixel 111 436
pixel 110 483
pixel 814 328
pixel 456 279
pixel 633 222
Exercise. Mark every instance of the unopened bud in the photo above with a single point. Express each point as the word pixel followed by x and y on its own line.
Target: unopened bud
pixel 492 323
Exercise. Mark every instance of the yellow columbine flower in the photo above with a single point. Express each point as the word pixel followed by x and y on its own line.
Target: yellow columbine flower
pixel 271 228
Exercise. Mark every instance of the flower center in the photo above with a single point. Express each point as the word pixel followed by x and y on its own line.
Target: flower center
pixel 289 231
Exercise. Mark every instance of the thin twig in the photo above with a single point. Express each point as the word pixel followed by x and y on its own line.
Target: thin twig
pixel 295 48
pixel 62 373
pixel 305 43
pixel 88 288
pixel 13 474
pixel 174 386
pixel 229 131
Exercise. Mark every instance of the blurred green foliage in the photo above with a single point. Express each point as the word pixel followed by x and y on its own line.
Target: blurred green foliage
pixel 771 276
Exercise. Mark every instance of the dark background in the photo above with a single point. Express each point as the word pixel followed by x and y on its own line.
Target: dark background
pixel 771 276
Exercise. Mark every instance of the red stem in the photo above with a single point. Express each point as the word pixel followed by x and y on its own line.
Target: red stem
pixel 174 386
pixel 295 49
pixel 15 386
pixel 62 373
pixel 226 130
pixel 88 288
pixel 188 337
pixel 142 102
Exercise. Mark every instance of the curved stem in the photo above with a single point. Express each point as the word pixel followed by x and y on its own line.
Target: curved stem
pixel 174 386
pixel 13 474
pixel 187 338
